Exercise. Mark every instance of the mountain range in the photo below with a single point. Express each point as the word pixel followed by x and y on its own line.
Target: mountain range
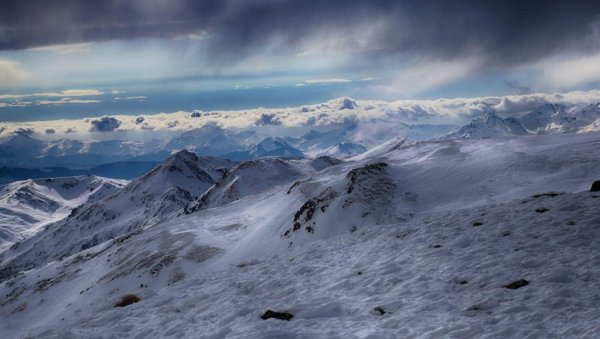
pixel 351 241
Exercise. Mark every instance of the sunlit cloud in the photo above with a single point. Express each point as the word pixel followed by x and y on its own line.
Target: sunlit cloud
pixel 569 72
pixel 11 74
pixel 383 115
pixel 65 101
pixel 327 81
pixel 64 48
pixel 134 98
pixel 428 75
pixel 65 93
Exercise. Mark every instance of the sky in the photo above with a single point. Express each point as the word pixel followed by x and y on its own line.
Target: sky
pixel 72 59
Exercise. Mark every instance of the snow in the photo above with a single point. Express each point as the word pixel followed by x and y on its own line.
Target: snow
pixel 409 239
pixel 26 206
pixel 333 286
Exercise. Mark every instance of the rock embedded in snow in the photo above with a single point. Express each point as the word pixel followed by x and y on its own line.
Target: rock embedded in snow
pixel 269 314
pixel 127 300
pixel 595 186
pixel 517 284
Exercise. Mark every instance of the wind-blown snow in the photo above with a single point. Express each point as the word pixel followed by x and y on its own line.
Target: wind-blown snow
pixel 409 239
pixel 26 206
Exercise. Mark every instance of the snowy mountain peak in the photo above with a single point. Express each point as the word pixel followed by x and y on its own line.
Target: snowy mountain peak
pixel 488 117
pixel 248 178
pixel 490 125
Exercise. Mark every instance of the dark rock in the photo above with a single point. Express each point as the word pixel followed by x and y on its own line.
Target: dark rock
pixel 541 210
pixel 276 315
pixel 517 284
pixel 380 310
pixel 549 194
pixel 127 300
pixel 437 246
pixel 477 223
pixel 595 186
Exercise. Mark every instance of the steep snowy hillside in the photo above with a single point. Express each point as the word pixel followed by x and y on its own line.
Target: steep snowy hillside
pixel 152 198
pixel 25 206
pixel 250 178
pixel 409 239
pixel 480 272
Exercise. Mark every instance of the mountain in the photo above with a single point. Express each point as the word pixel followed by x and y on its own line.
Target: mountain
pixel 250 178
pixel 212 140
pixel 315 141
pixel 12 174
pixel 20 147
pixel 26 206
pixel 22 150
pixel 545 119
pixel 268 147
pixel 490 125
pixel 150 199
pixel 117 170
pixel 404 234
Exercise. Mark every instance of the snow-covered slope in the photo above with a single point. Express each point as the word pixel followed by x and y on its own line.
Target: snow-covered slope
pixel 25 206
pixel 343 150
pixel 440 276
pixel 152 198
pixel 409 239
pixel 250 178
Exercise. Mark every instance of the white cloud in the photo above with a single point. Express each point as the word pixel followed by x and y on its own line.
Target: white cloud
pixel 11 74
pixel 326 81
pixel 202 35
pixel 569 72
pixel 65 93
pixel 64 49
pixel 383 116
pixel 65 101
pixel 428 75
pixel 134 98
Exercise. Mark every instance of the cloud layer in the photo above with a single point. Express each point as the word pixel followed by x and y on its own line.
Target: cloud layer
pixel 367 115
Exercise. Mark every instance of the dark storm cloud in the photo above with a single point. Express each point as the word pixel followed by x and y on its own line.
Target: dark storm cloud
pixel 504 32
pixel 105 124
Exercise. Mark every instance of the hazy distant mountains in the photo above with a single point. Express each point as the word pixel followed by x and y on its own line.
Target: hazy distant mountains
pixel 24 157
pixel 546 119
